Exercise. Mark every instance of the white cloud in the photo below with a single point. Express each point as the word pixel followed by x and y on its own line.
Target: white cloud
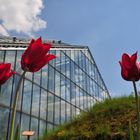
pixel 21 15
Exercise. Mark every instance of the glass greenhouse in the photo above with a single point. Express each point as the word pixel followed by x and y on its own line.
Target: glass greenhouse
pixel 59 91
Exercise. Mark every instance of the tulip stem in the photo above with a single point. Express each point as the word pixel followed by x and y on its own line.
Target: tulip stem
pixel 137 110
pixel 12 119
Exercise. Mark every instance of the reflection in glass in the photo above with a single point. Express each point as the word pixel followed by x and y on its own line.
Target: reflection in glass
pixel 57 83
pixel 3 122
pixel 51 79
pixel 35 100
pixel 43 105
pixel 42 128
pixel 27 96
pixel 5 92
pixel 50 107
pixel 57 111
pixel 44 80
pixel 24 125
pixel 34 127
pixel 62 111
pixel 59 91
pixel 63 87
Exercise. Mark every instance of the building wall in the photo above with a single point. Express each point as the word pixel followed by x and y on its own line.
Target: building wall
pixel 55 94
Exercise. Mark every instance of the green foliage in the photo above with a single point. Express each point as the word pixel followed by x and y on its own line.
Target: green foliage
pixel 103 121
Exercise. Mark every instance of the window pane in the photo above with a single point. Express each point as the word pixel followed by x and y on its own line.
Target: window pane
pixel 34 127
pixel 62 111
pixel 51 79
pixel 35 103
pixel 24 125
pixel 43 106
pixel 57 110
pixel 50 107
pixel 27 96
pixel 3 122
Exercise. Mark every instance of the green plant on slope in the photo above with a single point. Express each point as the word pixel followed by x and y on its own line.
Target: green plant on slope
pixel 108 119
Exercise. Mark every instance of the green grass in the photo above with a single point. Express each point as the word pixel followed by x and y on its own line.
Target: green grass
pixel 104 121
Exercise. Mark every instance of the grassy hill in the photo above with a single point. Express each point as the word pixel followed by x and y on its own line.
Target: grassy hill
pixel 104 121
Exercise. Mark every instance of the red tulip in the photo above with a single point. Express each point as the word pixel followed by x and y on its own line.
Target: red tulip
pixel 130 68
pixel 5 72
pixel 35 56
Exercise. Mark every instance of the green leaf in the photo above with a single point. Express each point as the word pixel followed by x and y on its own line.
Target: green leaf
pixel 131 131
pixel 17 133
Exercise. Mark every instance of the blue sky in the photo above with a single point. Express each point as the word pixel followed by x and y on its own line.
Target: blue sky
pixel 108 27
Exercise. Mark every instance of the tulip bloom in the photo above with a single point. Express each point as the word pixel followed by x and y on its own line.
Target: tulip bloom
pixel 130 68
pixel 5 72
pixel 130 71
pixel 35 56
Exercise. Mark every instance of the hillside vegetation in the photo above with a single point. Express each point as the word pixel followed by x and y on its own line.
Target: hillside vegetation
pixel 104 121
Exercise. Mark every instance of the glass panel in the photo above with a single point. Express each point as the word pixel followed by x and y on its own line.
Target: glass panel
pixel 62 111
pixel 43 106
pixel 63 85
pixel 9 55
pixel 16 80
pixel 76 72
pixel 27 96
pixel 73 93
pixel 68 115
pixel 85 100
pixel 49 126
pixel 44 79
pixel 24 125
pixel 68 90
pixel 81 99
pixel 4 113
pixel 80 78
pixel 34 127
pixel 57 60
pixel 72 55
pixel 88 101
pixel 77 111
pixel 18 60
pixel 50 107
pixel 67 67
pixel 87 84
pixel 80 59
pixel 92 101
pixel 76 57
pixel 77 96
pixel 63 63
pixel 73 111
pixel 72 74
pixel 51 79
pixel 84 81
pixel 90 65
pixel 68 53
pixel 6 88
pixel 5 93
pixel 84 64
pixel 52 62
pixel 96 91
pixel 57 83
pixel 57 110
pixel 2 56
pixel 91 90
pixel 37 77
pixel 42 128
pixel 35 103
pixel 87 64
